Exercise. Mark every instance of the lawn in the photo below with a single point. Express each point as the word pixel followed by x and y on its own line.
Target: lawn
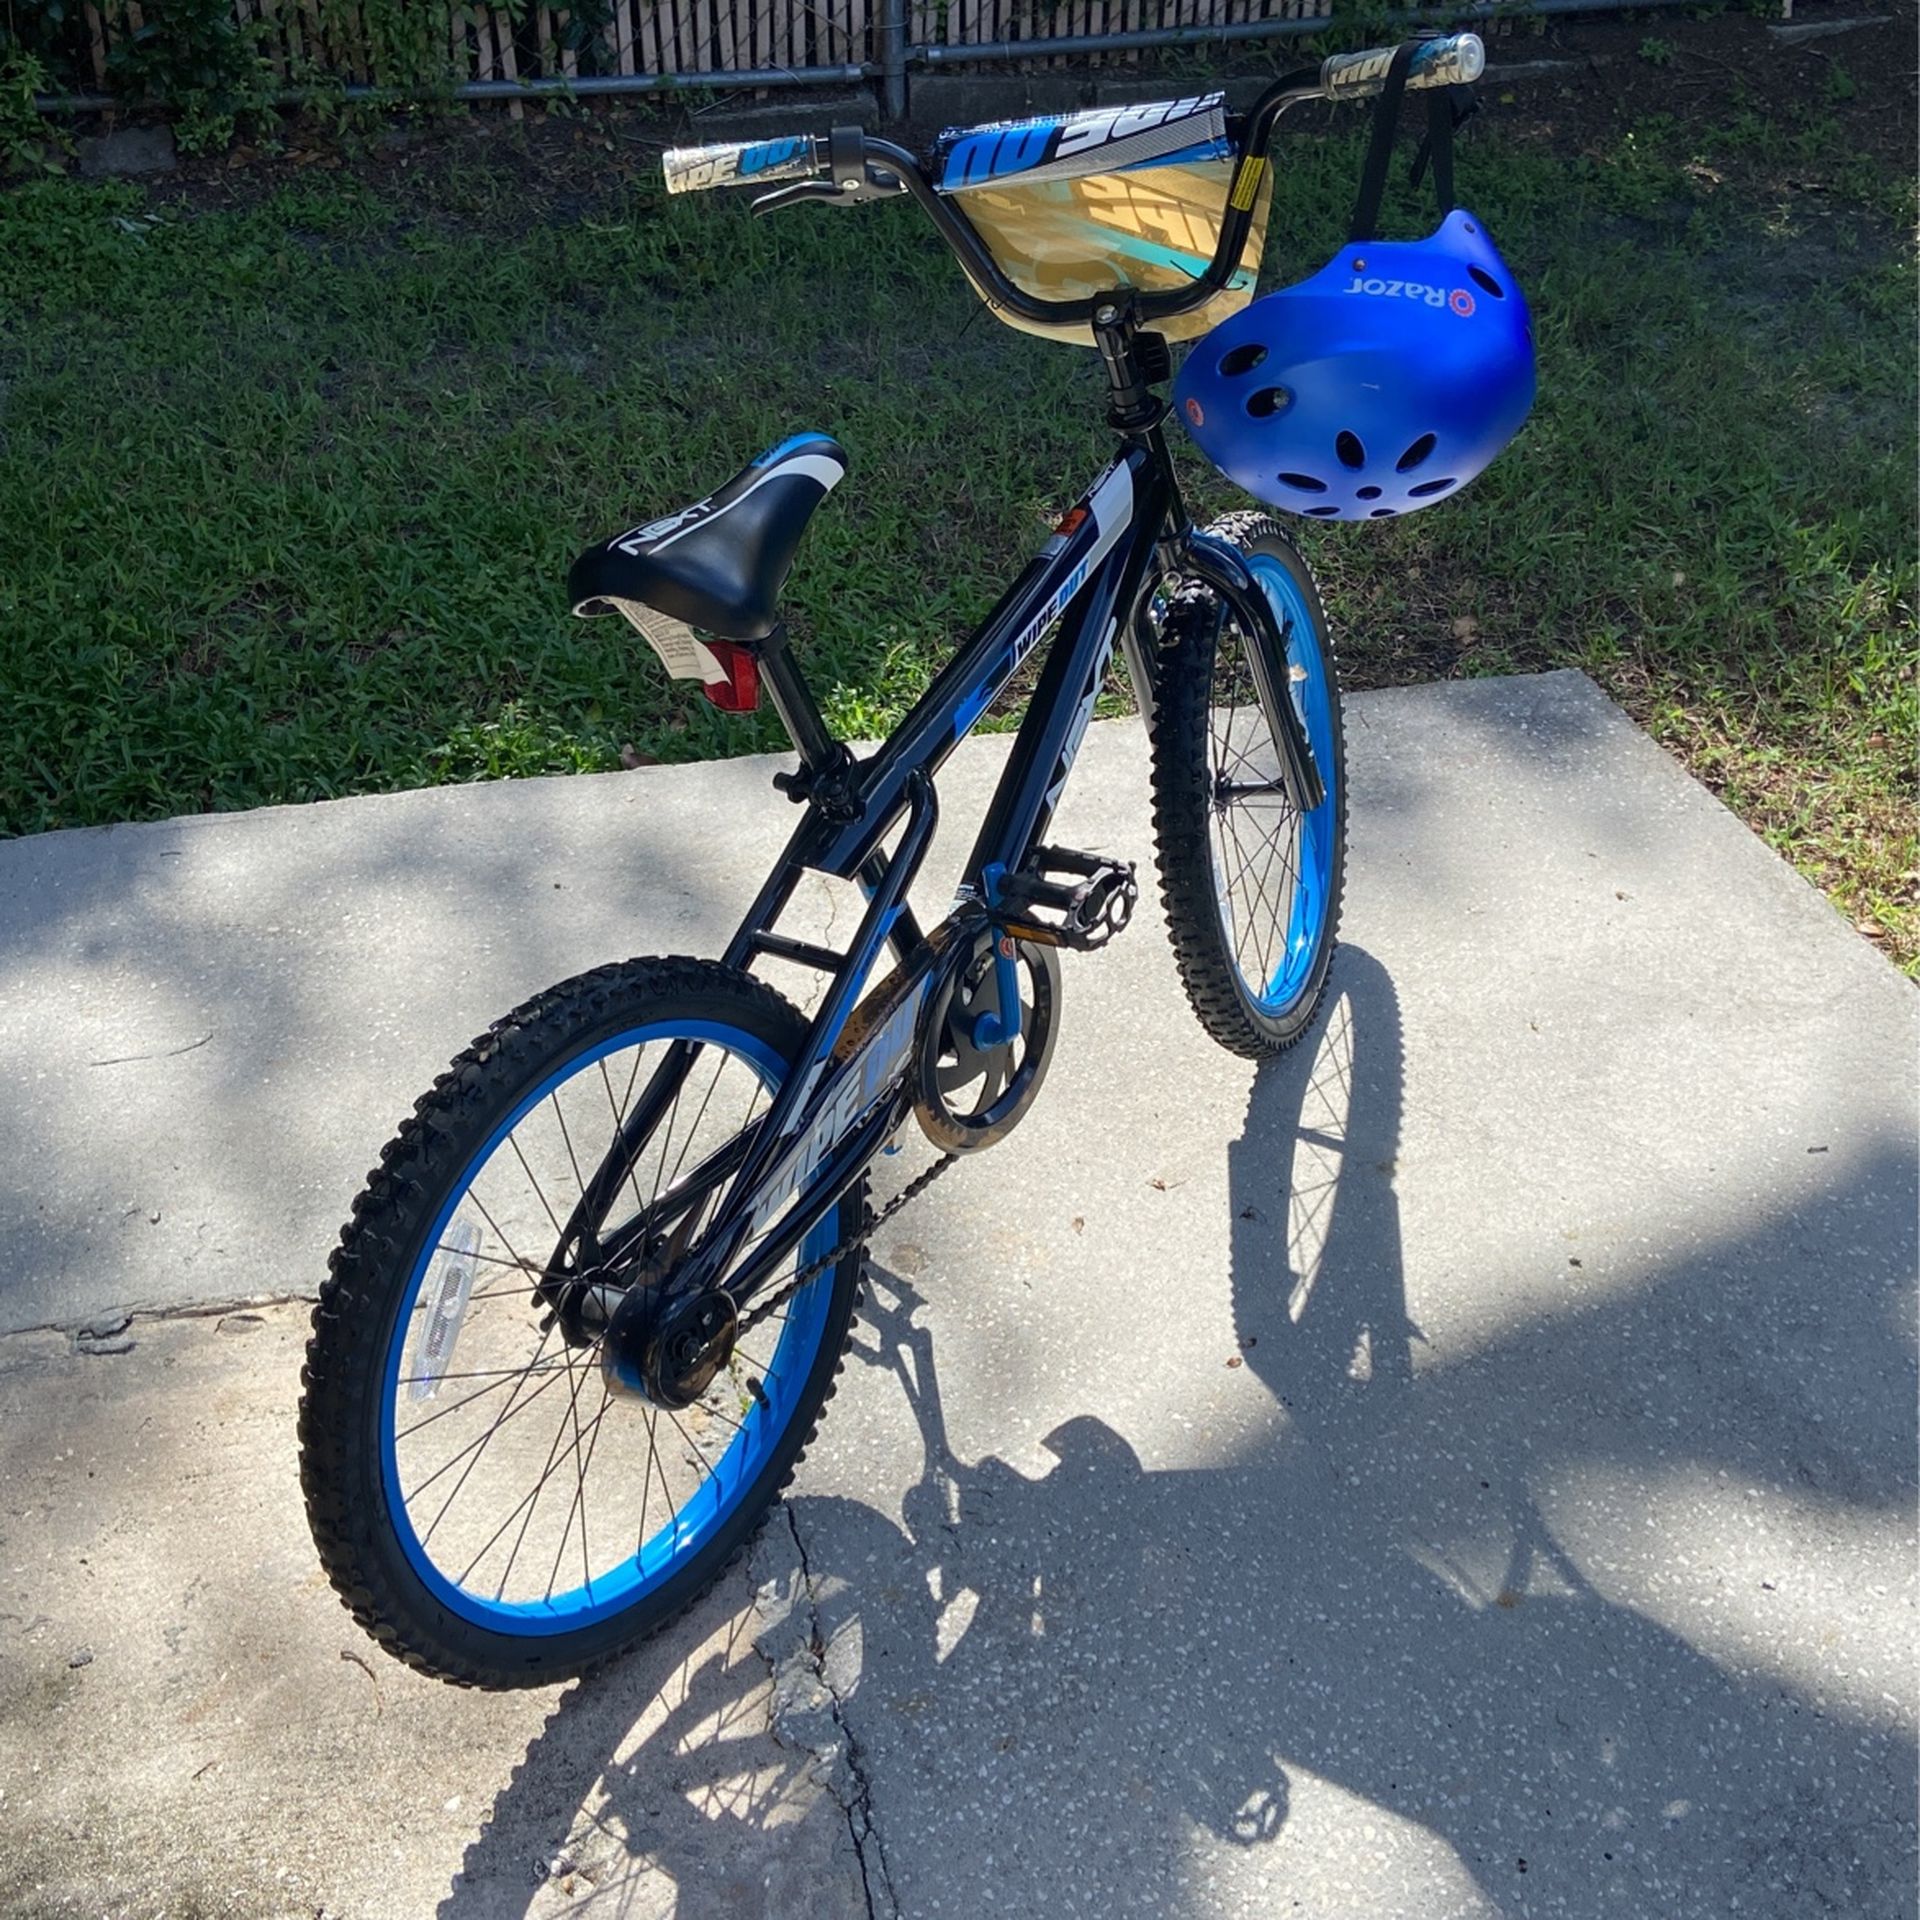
pixel 293 457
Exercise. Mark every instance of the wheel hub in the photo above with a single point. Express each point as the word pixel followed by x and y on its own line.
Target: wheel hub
pixel 668 1350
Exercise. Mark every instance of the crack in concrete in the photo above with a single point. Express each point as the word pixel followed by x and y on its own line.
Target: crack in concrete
pixel 809 1715
pixel 118 1319
pixel 166 1053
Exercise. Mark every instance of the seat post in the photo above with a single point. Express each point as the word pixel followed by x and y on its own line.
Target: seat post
pixel 794 702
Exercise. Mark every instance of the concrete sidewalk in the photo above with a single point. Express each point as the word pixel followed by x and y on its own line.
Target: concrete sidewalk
pixel 1465 1468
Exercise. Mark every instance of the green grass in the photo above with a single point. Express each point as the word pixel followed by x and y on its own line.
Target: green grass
pixel 288 490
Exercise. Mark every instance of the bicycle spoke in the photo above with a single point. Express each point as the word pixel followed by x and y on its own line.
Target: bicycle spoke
pixel 515 1405
pixel 646 1487
pixel 579 1505
pixel 653 1460
pixel 559 1232
pixel 691 1441
pixel 1273 918
pixel 554 1460
pixel 401 1433
pixel 1259 943
pixel 619 1111
pixel 473 1194
pixel 666 1139
pixel 1276 932
pixel 1231 882
pixel 476 1447
pixel 1257 870
pixel 567 1141
pixel 727 1419
pixel 475 1373
pixel 527 1501
pixel 527 1292
pixel 695 1128
pixel 486 1259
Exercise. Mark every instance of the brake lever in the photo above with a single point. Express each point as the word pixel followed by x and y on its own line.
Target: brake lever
pixel 792 196
pixel 880 183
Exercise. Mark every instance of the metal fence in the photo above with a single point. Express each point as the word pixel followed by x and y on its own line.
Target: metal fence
pixel 524 50
pixel 640 46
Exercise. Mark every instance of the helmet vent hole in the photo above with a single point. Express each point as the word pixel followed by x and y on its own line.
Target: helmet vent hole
pixel 1381 513
pixel 1242 359
pixel 1302 482
pixel 1482 279
pixel 1347 446
pixel 1323 513
pixel 1428 488
pixel 1368 493
pixel 1415 454
pixel 1269 400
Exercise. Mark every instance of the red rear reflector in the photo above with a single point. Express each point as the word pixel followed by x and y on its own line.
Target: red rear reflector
pixel 1071 521
pixel 739 692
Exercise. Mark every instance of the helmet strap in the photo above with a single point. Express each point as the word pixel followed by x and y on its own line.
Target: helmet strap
pixel 1386 118
pixel 1447 108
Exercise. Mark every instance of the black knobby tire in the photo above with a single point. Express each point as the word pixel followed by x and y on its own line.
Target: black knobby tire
pixel 1202 661
pixel 349 1374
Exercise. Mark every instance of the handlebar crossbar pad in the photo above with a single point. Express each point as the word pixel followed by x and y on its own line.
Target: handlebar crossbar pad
pixel 1072 146
pixel 1456 60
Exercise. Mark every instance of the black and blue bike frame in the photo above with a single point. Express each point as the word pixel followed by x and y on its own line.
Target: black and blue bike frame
pixel 850 1088
pixel 1128 537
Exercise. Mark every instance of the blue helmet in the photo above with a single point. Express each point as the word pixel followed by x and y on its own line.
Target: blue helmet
pixel 1386 382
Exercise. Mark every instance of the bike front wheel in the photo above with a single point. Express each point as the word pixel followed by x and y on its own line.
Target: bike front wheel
pixel 486 1507
pixel 1252 885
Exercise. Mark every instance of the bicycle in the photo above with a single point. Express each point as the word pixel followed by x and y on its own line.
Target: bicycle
pixel 640 1200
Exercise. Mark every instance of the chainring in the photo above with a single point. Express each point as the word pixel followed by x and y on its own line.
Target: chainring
pixel 966 1096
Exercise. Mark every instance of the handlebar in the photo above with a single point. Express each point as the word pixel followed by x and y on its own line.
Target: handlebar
pixel 742 163
pixel 848 167
pixel 1457 60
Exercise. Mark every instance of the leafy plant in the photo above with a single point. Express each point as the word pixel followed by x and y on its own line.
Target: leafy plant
pixel 32 40
pixel 27 143
pixel 196 58
pixel 1656 52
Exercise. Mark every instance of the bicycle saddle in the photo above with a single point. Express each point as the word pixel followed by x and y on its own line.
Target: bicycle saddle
pixel 719 564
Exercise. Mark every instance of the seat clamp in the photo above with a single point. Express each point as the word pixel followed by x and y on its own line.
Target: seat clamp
pixel 828 786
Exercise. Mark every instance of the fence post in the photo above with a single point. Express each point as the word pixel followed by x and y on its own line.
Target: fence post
pixel 893 59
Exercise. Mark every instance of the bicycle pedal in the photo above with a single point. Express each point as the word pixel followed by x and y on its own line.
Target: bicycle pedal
pixel 1094 897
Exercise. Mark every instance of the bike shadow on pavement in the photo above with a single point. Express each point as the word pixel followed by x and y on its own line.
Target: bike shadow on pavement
pixel 1460 1630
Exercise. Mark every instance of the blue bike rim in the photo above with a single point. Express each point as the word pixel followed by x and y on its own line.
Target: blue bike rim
pixel 1291 971
pixel 693 1523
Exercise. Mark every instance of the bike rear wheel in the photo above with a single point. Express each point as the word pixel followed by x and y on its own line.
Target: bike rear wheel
pixel 1252 885
pixel 485 1506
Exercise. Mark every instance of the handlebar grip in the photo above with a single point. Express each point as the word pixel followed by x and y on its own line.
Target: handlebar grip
pixel 749 163
pixel 1456 60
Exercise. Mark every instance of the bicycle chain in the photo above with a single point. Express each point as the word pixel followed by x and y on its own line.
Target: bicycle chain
pixel 853 1242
